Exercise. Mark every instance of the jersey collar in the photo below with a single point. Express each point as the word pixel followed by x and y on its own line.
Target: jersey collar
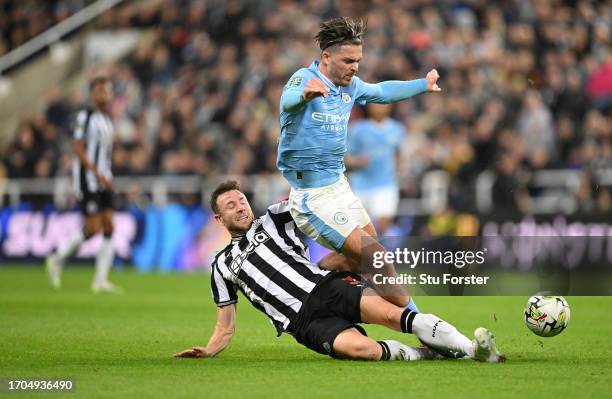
pixel 315 68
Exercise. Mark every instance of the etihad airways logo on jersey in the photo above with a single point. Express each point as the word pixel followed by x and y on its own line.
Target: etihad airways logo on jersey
pixel 258 239
pixel 330 118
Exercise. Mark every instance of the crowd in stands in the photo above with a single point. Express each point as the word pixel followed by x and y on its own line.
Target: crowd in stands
pixel 526 86
pixel 21 20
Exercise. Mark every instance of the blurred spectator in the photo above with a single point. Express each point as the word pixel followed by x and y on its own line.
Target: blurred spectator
pixel 599 86
pixel 3 175
pixel 58 111
pixel 604 201
pixel 22 20
pixel 21 156
pixel 509 193
pixel 536 128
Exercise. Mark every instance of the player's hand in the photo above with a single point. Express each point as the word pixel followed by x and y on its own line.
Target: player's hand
pixel 196 351
pixel 362 161
pixel 314 88
pixel 104 182
pixel 432 79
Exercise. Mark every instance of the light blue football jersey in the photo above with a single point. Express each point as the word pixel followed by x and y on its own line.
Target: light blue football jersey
pixel 313 137
pixel 379 142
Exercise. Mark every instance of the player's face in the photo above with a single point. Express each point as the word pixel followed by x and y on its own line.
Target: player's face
pixel 378 112
pixel 343 63
pixel 102 95
pixel 234 212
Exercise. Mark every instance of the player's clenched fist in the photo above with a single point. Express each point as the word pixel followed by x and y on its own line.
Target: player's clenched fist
pixel 314 88
pixel 432 80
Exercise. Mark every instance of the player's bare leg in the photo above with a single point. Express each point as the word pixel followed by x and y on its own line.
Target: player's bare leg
pixel 430 329
pixel 370 229
pixel 383 224
pixel 340 262
pixel 54 263
pixel 360 246
pixel 104 259
pixel 351 344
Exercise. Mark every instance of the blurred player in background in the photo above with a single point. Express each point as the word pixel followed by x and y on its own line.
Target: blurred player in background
pixel 314 111
pixel 92 182
pixel 373 148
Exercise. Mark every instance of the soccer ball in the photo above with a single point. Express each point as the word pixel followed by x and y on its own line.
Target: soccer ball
pixel 547 316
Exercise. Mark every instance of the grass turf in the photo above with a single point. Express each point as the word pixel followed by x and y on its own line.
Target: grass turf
pixel 121 346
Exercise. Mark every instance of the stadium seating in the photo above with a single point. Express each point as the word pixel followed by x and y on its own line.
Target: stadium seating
pixel 525 88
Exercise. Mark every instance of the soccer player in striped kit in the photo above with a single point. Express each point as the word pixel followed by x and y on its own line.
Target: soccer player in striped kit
pixel 315 108
pixel 322 309
pixel 92 183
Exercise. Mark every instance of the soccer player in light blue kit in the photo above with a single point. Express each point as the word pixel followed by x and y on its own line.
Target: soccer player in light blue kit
pixel 314 111
pixel 373 147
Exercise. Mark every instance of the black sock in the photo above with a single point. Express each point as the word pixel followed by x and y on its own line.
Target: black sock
pixel 386 353
pixel 406 320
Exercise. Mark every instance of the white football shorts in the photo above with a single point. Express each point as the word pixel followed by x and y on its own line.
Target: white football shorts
pixel 328 214
pixel 380 202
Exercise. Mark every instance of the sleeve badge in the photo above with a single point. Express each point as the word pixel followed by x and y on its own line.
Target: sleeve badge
pixel 296 81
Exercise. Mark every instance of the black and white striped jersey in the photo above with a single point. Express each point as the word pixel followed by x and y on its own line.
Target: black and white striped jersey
pixel 95 128
pixel 270 265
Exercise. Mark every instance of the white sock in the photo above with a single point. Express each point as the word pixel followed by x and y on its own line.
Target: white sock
pixel 104 260
pixel 71 247
pixel 438 334
pixel 395 350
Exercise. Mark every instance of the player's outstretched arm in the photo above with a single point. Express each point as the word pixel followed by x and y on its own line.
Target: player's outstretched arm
pixel 294 99
pixel 397 90
pixel 221 337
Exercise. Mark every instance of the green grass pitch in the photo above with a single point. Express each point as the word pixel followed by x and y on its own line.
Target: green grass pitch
pixel 122 346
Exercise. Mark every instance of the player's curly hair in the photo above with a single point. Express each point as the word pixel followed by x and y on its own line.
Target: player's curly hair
pixel 222 188
pixel 339 31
